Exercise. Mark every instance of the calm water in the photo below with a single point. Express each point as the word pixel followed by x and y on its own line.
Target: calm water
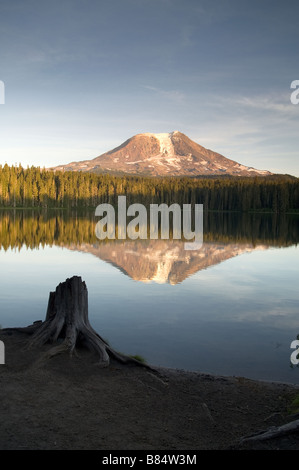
pixel 230 308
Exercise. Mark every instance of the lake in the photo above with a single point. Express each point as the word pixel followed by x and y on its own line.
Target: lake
pixel 229 308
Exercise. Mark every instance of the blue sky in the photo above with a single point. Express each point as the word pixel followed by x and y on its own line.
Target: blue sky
pixel 83 76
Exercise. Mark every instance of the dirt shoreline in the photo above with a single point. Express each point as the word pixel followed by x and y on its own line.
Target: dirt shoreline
pixel 72 404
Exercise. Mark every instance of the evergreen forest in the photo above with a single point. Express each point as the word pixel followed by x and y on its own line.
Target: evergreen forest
pixel 39 188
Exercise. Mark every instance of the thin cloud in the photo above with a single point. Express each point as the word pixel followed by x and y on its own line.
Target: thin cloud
pixel 279 104
pixel 172 95
pixel 267 103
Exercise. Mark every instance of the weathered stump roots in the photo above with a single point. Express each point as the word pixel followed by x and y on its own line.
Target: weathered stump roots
pixel 67 325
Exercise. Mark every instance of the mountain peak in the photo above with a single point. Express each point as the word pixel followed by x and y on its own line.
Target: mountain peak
pixel 163 154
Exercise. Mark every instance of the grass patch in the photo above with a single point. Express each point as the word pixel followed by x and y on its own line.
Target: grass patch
pixel 294 405
pixel 139 358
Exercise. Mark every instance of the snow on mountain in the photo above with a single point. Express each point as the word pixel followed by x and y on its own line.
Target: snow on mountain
pixel 163 154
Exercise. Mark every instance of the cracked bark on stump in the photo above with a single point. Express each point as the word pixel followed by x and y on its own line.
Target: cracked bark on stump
pixel 67 325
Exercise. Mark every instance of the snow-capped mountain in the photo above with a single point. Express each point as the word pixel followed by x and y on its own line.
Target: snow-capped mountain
pixel 166 154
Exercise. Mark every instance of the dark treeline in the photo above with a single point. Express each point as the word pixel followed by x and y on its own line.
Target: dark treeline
pixel 35 229
pixel 35 187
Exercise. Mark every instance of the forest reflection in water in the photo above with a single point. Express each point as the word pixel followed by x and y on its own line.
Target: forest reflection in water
pixel 225 235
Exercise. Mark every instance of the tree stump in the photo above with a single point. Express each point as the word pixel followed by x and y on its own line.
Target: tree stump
pixel 67 325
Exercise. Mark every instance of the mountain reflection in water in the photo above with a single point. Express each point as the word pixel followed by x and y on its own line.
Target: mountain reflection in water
pixel 226 235
pixel 163 261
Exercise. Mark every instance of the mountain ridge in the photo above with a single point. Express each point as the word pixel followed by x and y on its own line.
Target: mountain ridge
pixel 162 154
